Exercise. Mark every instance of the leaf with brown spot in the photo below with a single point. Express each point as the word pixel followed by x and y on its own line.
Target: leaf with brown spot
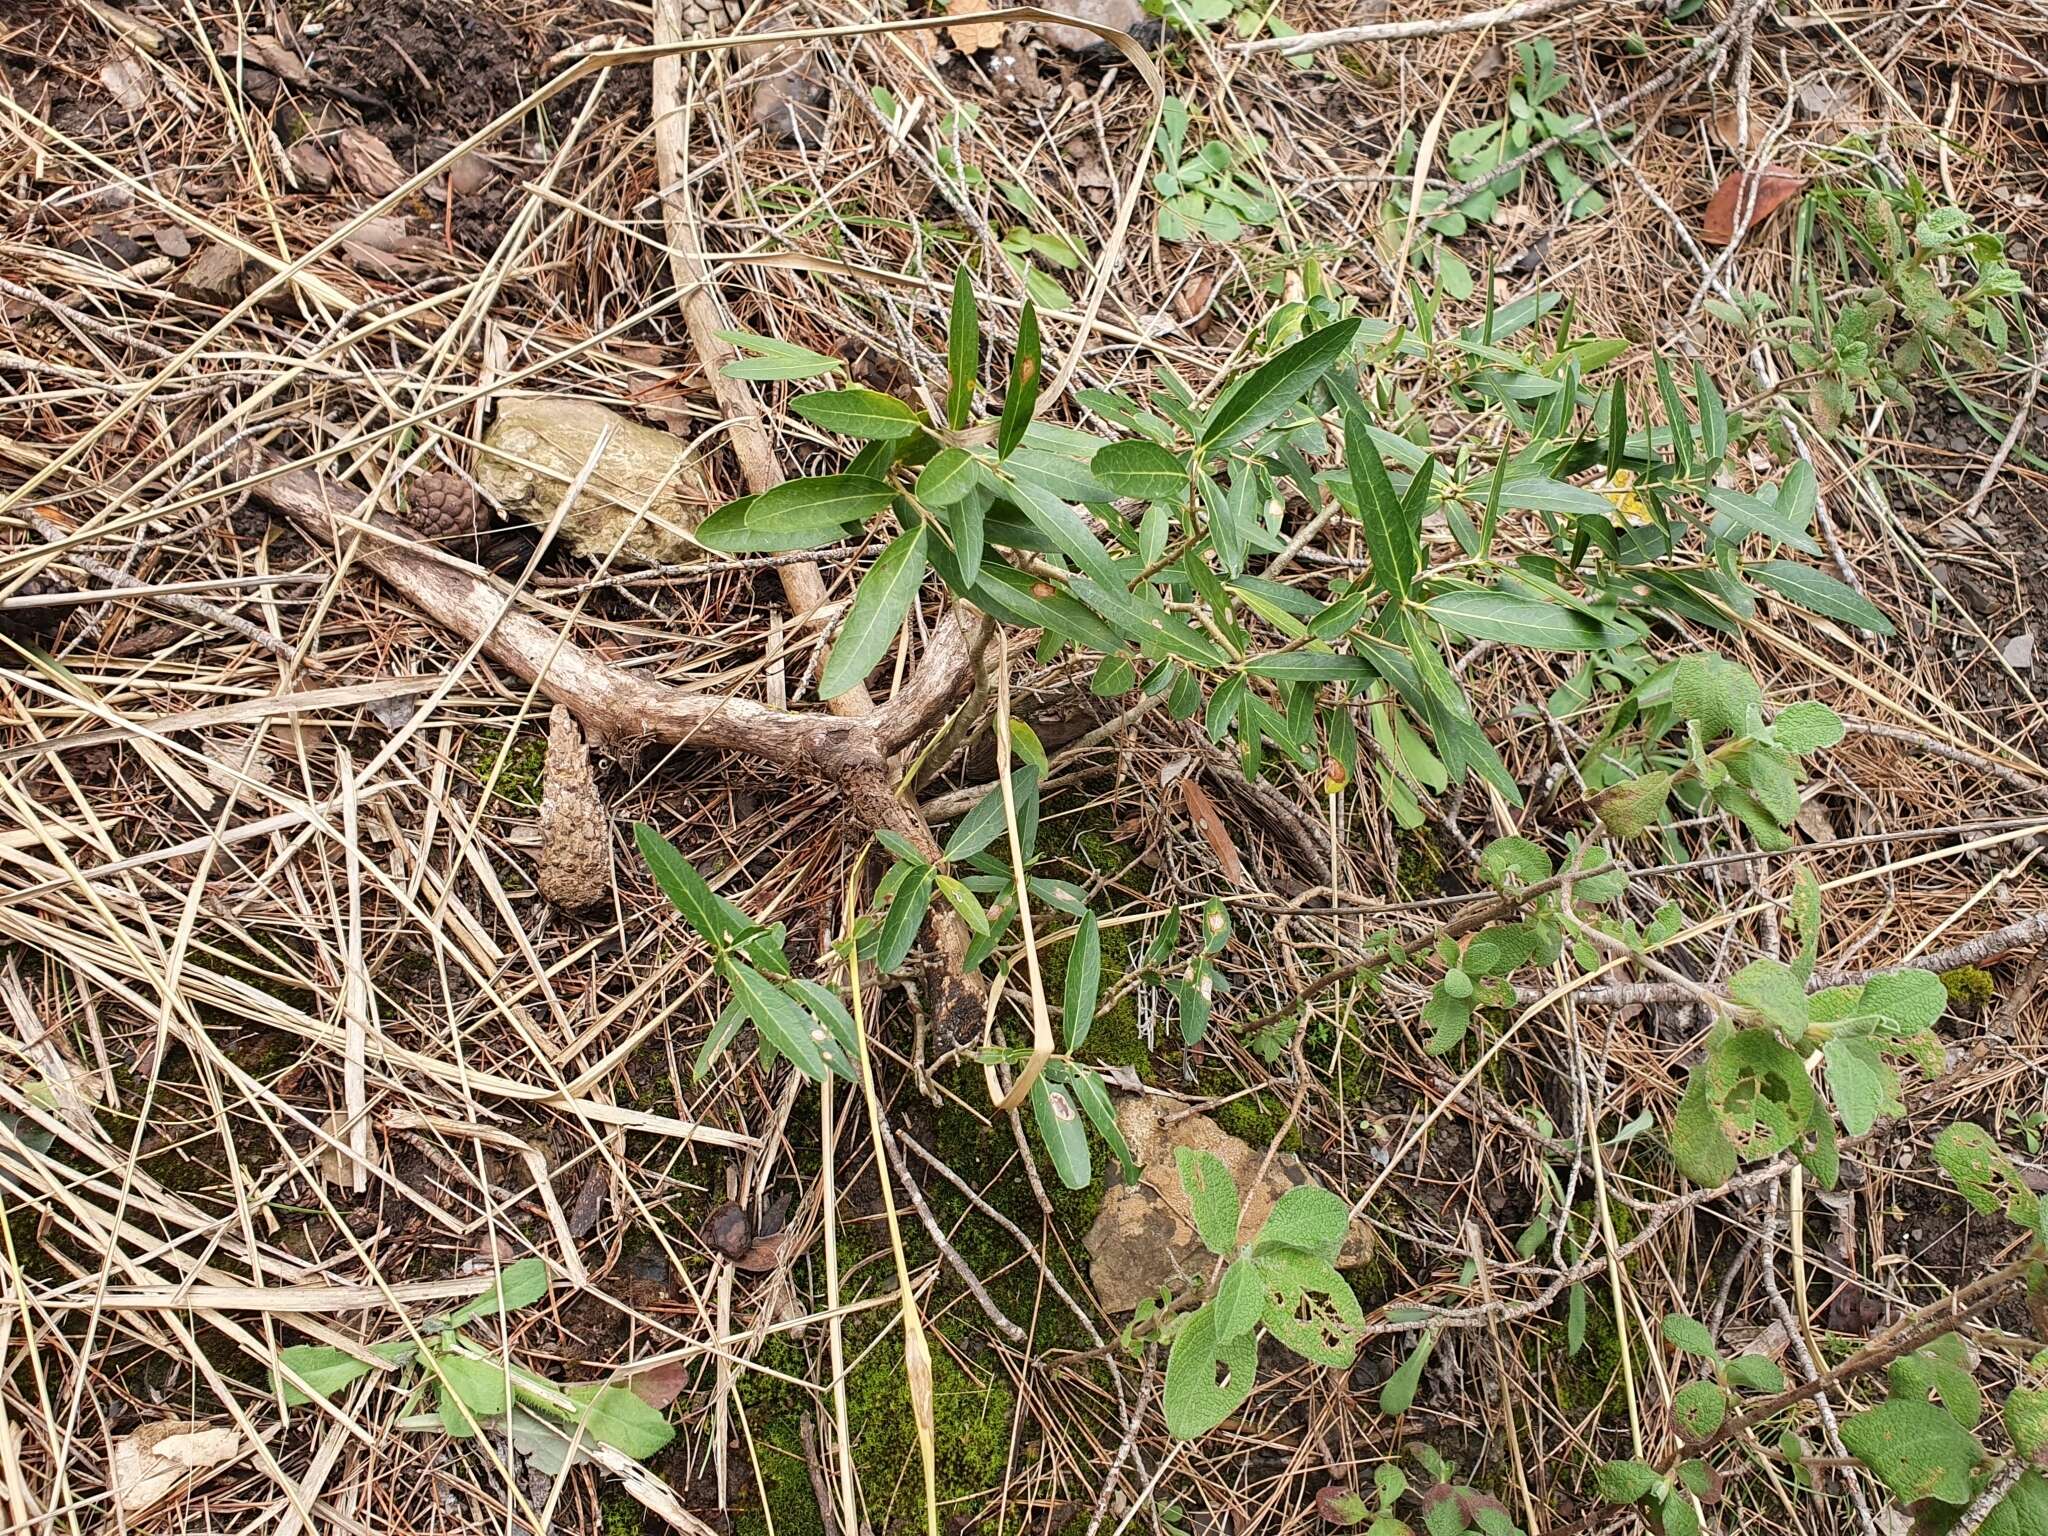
pixel 1210 824
pixel 1776 185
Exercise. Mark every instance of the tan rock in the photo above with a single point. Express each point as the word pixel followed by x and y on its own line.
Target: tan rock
pixel 214 276
pixel 644 496
pixel 1145 1236
pixel 575 836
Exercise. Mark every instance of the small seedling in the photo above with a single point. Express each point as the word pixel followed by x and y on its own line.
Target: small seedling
pixel 1283 1283
pixel 471 1385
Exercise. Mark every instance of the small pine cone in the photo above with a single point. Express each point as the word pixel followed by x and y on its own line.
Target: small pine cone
pixel 575 836
pixel 710 18
pixel 442 506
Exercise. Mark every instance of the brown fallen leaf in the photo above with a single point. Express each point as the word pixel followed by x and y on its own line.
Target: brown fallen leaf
pixel 158 1459
pixel 1776 185
pixel 973 36
pixel 1210 824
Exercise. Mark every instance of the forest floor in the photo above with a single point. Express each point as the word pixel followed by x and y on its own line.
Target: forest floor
pixel 296 1049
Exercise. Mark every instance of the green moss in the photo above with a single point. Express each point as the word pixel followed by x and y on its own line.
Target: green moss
pixel 1422 865
pixel 1969 987
pixel 972 1413
pixel 519 763
pixel 621 1514
pixel 1256 1119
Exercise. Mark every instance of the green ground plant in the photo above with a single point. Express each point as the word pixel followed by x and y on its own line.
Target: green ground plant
pixel 1138 552
pixel 474 1390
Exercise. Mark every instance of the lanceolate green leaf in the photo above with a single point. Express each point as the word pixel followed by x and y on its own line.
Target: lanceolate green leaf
pixel 820 498
pixel 1271 391
pixel 949 476
pixel 1523 621
pixel 984 824
pixel 781 1020
pixel 885 596
pixel 1060 1128
pixel 1020 399
pixel 1752 514
pixel 963 351
pixel 1396 547
pixel 1140 471
pixel 775 359
pixel 860 413
pixel 729 532
pixel 1820 593
pixel 1094 1101
pixel 900 924
pixel 685 888
pixel 1084 977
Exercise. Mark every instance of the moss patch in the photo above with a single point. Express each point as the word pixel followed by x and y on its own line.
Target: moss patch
pixel 519 762
pixel 1969 988
pixel 1256 1120
pixel 972 1410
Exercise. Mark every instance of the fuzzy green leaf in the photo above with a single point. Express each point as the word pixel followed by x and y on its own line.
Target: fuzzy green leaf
pixel 1630 809
pixel 1212 1197
pixel 1916 1450
pixel 1240 1299
pixel 519 1284
pixel 1699 1407
pixel 1309 1218
pixel 1207 1380
pixel 620 1418
pixel 1807 726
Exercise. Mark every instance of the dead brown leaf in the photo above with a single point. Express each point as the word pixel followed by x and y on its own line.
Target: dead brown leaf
pixel 972 37
pixel 158 1459
pixel 1776 185
pixel 1209 822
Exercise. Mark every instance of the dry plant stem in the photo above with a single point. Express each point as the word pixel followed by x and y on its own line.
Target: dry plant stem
pixel 1798 1330
pixel 802 583
pixel 1401 31
pixel 1995 1491
pixel 624 709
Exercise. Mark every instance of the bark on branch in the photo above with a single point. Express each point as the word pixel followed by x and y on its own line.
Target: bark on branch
pixel 625 710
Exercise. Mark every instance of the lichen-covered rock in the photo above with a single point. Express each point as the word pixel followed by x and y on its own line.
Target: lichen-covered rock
pixel 1145 1236
pixel 575 838
pixel 645 494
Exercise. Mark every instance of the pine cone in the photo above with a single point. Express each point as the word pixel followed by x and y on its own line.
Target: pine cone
pixel 711 18
pixel 442 506
pixel 575 834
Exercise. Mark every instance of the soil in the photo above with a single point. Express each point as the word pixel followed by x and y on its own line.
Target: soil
pixel 432 63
